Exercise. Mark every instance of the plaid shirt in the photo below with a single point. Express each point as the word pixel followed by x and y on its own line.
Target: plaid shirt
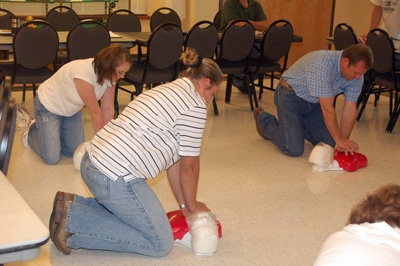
pixel 317 75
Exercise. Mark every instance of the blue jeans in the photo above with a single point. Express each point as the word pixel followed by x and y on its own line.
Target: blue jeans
pixel 299 120
pixel 53 135
pixel 123 216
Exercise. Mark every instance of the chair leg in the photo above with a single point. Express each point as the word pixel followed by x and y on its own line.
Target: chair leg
pixel 251 91
pixel 272 80
pixel 363 93
pixel 116 104
pixel 261 86
pixel 393 118
pixel 23 92
pixel 215 107
pixel 377 94
pixel 228 89
pixel 394 97
pixel 364 103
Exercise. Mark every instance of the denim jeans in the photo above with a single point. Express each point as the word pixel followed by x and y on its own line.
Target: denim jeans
pixel 123 216
pixel 53 135
pixel 298 120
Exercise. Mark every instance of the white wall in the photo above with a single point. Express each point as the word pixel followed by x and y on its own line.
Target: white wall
pixel 356 13
pixel 201 10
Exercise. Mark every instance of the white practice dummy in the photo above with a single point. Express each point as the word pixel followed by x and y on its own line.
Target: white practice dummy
pixel 322 159
pixel 204 233
pixel 78 154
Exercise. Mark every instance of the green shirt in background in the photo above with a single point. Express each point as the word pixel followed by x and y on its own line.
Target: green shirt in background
pixel 234 10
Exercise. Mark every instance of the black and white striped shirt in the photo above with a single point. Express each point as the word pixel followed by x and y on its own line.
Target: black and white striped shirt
pixel 152 133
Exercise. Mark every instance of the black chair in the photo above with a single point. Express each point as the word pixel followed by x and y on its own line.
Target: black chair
pixel 274 51
pixel 35 48
pixel 86 39
pixel 203 37
pixel 7 123
pixel 163 51
pixel 124 20
pixel 383 74
pixel 164 15
pixel 236 46
pixel 5 23
pixel 5 18
pixel 63 18
pixel 344 36
pixel 218 20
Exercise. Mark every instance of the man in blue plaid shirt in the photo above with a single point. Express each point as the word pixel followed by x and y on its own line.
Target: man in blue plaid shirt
pixel 305 101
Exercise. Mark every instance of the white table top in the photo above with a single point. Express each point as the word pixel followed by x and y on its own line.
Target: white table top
pixel 20 228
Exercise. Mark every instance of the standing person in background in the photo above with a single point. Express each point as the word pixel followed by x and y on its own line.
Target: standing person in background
pixel 387 11
pixel 161 129
pixel 372 236
pixel 305 101
pixel 250 10
pixel 57 129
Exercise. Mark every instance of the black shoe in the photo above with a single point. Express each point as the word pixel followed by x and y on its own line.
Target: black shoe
pixel 238 82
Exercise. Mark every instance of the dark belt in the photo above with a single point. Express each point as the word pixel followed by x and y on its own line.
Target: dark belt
pixel 286 85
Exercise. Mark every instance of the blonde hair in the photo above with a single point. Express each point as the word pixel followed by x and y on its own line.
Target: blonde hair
pixel 197 67
pixel 382 205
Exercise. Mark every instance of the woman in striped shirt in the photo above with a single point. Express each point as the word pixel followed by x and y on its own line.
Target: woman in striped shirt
pixel 160 130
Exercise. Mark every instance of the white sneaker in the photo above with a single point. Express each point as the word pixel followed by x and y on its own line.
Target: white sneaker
pixel 24 137
pixel 23 116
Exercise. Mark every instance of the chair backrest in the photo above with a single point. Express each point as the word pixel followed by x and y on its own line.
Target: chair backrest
pixel 344 36
pixel 5 18
pixel 63 18
pixel 86 39
pixel 277 40
pixel 383 51
pixel 165 46
pixel 218 19
pixel 35 45
pixel 203 37
pixel 123 20
pixel 237 41
pixel 164 15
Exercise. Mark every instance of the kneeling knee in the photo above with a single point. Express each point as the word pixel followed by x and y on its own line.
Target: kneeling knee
pixel 165 247
pixel 293 153
pixel 51 161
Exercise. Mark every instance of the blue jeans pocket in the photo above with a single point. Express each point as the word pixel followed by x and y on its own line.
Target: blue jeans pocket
pixel 97 182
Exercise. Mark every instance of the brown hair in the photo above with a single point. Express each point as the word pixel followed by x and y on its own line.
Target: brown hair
pixel 108 59
pixel 359 52
pixel 382 205
pixel 198 67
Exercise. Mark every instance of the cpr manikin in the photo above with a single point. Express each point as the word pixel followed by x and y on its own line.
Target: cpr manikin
pixel 200 231
pixel 324 158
